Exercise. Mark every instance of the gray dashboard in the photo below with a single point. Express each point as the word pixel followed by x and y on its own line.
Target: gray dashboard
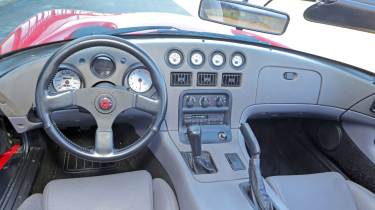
pixel 283 81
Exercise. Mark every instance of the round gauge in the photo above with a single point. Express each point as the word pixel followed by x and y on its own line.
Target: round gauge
pixel 197 58
pixel 218 59
pixel 103 66
pixel 175 57
pixel 238 60
pixel 66 79
pixel 140 80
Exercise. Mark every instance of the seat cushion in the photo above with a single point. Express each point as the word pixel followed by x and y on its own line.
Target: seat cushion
pixel 125 191
pixel 323 191
pixel 34 202
pixel 364 199
pixel 164 198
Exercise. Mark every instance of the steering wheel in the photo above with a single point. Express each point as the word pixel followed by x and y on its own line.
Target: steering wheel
pixel 103 103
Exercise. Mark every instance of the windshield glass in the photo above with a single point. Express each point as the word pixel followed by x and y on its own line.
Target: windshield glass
pixel 15 12
pixel 27 23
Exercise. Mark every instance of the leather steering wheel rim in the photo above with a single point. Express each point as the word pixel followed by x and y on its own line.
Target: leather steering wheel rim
pixel 44 111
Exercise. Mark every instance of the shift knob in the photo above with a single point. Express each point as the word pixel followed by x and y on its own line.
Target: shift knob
pixel 194 136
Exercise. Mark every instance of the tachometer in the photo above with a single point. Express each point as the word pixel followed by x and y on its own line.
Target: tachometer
pixel 66 79
pixel 140 80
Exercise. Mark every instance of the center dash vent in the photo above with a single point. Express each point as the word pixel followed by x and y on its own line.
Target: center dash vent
pixel 181 78
pixel 206 79
pixel 231 80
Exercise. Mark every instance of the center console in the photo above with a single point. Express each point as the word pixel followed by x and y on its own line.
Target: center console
pixel 204 118
pixel 210 109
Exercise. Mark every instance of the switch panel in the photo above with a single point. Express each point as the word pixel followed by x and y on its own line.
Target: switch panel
pixel 205 100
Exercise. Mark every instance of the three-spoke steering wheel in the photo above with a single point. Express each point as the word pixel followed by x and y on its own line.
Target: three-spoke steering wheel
pixel 104 103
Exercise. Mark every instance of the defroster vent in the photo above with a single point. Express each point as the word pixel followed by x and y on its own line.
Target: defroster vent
pixel 181 78
pixel 231 80
pixel 206 79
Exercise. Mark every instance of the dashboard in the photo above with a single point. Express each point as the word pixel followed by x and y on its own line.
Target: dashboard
pixel 138 78
pixel 206 78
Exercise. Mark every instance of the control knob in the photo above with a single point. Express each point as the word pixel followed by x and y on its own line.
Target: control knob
pixel 220 101
pixel 190 101
pixel 204 102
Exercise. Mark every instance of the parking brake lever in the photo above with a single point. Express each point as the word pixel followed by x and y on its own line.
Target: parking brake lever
pixel 256 179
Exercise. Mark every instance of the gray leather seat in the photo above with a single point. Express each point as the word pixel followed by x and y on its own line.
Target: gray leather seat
pixel 125 191
pixel 323 191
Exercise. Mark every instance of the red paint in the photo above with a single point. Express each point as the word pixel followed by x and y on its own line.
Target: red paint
pixel 4 158
pixel 105 103
pixel 60 24
pixel 49 26
pixel 260 38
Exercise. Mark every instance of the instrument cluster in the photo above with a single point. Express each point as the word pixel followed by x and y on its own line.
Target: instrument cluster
pixel 138 79
pixel 69 78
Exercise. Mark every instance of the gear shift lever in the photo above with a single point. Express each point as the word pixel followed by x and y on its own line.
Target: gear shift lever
pixel 194 136
pixel 201 164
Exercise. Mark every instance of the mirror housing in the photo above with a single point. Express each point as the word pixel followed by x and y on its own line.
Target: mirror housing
pixel 244 16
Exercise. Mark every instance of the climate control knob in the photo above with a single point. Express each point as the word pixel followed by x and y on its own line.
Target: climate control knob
pixel 190 101
pixel 220 101
pixel 204 102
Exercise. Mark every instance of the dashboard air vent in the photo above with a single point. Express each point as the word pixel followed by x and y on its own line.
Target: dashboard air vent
pixel 231 80
pixel 206 79
pixel 181 78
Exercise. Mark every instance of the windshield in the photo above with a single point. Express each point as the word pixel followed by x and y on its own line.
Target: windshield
pixel 15 12
pixel 27 23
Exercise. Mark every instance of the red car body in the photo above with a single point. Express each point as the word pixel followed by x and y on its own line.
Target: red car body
pixel 60 24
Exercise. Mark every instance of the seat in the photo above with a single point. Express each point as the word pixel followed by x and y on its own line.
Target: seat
pixel 323 191
pixel 125 191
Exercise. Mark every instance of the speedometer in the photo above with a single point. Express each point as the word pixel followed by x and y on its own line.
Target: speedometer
pixel 66 79
pixel 140 80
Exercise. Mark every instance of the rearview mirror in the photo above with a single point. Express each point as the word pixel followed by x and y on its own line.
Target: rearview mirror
pixel 244 16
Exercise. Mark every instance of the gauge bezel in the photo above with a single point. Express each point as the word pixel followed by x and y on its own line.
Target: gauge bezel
pixel 179 52
pixel 148 89
pixel 212 63
pixel 244 60
pixel 203 60
pixel 72 68
pixel 125 79
pixel 103 55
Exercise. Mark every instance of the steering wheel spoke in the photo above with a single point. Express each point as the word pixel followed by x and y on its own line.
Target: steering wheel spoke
pixel 146 104
pixel 104 142
pixel 60 100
